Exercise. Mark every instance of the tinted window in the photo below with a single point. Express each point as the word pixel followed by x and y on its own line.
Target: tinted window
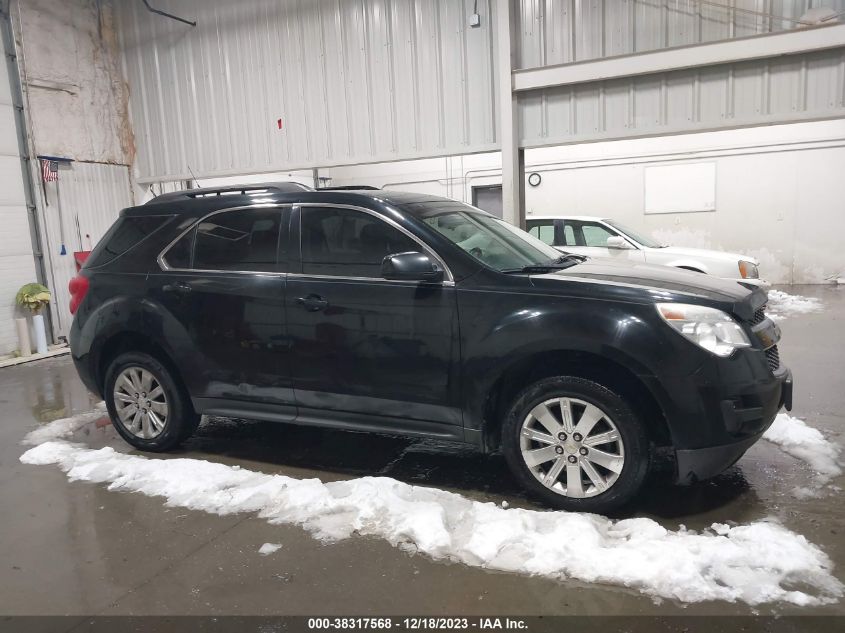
pixel 595 234
pixel 568 234
pixel 179 255
pixel 123 235
pixel 543 229
pixel 247 239
pixel 348 243
pixel 495 242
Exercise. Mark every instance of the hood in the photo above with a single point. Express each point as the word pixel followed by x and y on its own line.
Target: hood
pixel 646 282
pixel 704 252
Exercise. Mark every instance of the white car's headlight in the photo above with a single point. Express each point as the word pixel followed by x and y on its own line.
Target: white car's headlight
pixel 748 270
pixel 709 328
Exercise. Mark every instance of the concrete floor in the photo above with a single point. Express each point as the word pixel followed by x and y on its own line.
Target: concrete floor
pixel 78 549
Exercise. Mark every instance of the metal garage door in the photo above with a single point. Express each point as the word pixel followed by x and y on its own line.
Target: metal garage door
pixel 92 195
pixel 17 265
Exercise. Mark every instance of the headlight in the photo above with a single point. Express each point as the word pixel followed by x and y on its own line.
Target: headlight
pixel 709 328
pixel 748 270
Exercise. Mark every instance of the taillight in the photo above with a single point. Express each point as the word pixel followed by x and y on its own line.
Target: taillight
pixel 78 286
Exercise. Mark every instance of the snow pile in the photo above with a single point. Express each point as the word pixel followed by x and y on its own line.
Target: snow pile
pixel 783 305
pixel 756 563
pixel 269 548
pixel 807 444
pixel 64 427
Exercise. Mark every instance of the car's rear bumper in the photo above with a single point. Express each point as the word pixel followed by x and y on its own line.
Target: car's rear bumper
pixel 745 423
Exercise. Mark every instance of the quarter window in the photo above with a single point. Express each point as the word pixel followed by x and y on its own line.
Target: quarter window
pixel 543 229
pixel 348 243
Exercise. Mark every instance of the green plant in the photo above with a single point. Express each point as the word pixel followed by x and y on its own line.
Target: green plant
pixel 34 297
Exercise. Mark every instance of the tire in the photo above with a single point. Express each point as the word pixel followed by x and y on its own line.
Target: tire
pixel 177 418
pixel 523 432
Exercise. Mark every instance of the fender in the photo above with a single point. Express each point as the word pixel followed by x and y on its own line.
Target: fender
pixel 126 315
pixel 524 327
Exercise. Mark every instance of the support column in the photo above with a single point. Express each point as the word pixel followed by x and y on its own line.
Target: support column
pixel 513 156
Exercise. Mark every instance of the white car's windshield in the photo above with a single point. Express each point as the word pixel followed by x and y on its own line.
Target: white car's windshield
pixel 642 238
pixel 490 240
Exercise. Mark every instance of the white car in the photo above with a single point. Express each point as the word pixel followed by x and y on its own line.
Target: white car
pixel 601 237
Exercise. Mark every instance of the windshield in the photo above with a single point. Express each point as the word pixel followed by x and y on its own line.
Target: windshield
pixel 642 238
pixel 490 240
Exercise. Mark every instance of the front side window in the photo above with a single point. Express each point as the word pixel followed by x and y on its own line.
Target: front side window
pixel 490 240
pixel 240 240
pixel 595 234
pixel 348 243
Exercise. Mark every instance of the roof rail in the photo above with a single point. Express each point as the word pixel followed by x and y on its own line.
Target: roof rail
pixel 237 190
pixel 350 188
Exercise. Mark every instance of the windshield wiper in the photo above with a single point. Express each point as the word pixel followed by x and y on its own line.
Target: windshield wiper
pixel 567 257
pixel 559 263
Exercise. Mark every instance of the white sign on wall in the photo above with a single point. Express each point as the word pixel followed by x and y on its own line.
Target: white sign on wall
pixel 684 188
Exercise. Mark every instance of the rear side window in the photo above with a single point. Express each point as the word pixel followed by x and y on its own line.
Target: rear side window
pixel 242 240
pixel 123 235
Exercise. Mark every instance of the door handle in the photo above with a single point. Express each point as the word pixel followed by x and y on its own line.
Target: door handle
pixel 179 287
pixel 313 303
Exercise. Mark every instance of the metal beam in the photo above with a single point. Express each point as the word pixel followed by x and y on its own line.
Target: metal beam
pixel 683 57
pixel 513 156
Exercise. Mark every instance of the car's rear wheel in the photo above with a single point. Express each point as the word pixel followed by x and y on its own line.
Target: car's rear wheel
pixel 576 444
pixel 146 404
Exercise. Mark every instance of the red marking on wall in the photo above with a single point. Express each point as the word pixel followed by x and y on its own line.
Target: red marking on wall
pixel 279 123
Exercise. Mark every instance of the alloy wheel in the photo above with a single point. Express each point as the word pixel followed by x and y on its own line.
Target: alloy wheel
pixel 572 447
pixel 140 402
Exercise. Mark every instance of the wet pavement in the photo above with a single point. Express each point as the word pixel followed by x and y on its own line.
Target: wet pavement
pixel 78 549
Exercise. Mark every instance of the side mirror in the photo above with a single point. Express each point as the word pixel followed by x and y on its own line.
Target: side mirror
pixel 618 242
pixel 411 266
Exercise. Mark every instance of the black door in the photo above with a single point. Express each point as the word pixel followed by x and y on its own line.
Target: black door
pixel 225 291
pixel 365 350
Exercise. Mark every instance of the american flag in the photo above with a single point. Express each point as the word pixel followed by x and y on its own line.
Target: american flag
pixel 49 170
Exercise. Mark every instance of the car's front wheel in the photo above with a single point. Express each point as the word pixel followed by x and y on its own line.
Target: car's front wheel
pixel 576 444
pixel 146 405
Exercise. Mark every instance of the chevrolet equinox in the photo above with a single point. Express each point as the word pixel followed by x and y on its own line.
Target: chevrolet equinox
pixel 410 314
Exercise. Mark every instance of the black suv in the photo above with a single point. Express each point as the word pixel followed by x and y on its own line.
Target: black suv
pixel 411 314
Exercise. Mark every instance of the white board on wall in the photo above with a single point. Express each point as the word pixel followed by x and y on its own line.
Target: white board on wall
pixel 683 188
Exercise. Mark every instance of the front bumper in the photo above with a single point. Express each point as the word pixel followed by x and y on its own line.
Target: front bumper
pixel 746 423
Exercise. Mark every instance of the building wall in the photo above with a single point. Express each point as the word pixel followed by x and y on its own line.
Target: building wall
pixel 77 108
pixel 778 193
pixel 272 85
pixel 567 31
pixel 269 85
pixel 71 65
pixel 17 264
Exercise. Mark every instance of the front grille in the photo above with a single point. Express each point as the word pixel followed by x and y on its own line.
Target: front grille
pixel 773 357
pixel 759 315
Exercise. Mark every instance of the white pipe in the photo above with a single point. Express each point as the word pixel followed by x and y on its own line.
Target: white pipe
pixel 40 333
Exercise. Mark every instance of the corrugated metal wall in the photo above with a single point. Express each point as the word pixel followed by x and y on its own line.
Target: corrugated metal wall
pixel 794 88
pixel 566 31
pixel 92 195
pixel 351 81
pixel 359 81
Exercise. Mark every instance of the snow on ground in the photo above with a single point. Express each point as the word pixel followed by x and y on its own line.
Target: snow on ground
pixel 804 442
pixel 783 305
pixel 755 563
pixel 64 427
pixel 269 548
